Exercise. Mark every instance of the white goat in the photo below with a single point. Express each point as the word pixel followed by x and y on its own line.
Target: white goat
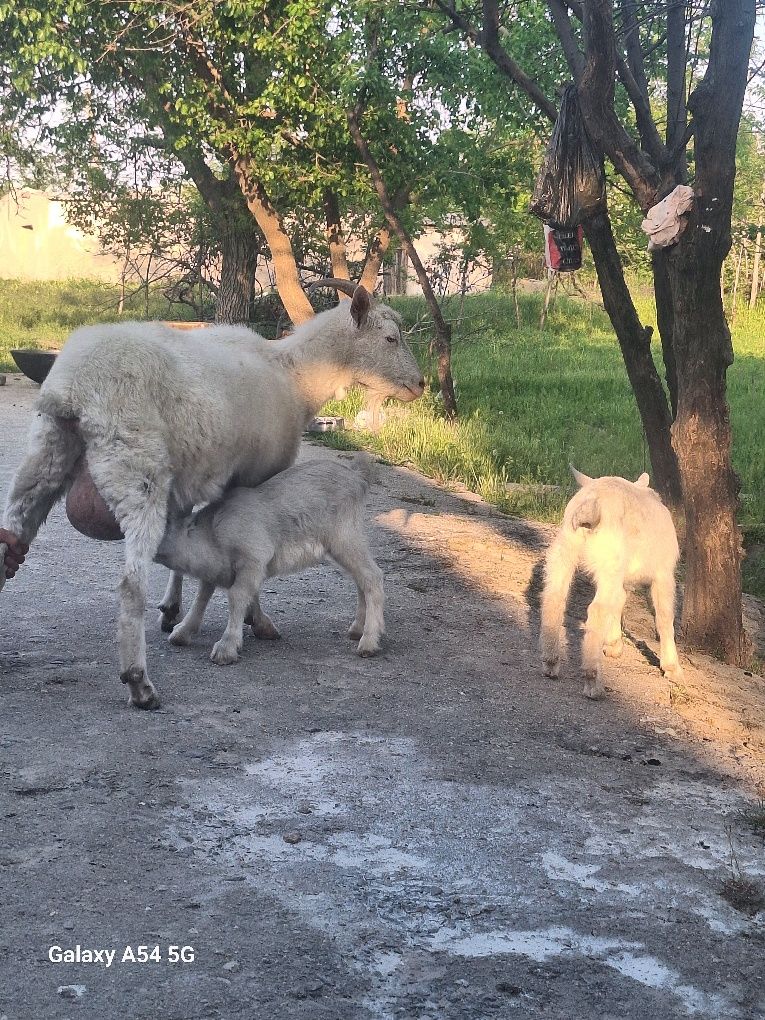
pixel 163 422
pixel 619 532
pixel 288 523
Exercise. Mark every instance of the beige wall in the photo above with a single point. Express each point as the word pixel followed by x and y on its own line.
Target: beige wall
pixel 37 243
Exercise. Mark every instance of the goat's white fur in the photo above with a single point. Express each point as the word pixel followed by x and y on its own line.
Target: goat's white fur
pixel 290 522
pixel 620 533
pixel 168 420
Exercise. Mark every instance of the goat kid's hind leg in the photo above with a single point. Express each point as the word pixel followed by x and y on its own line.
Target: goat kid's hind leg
pixel 354 556
pixel 189 626
pixel 614 643
pixel 663 598
pixel 559 571
pixel 240 597
pixel 41 479
pixel 263 627
pixel 609 597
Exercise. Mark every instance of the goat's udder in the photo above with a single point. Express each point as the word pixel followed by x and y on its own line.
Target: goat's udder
pixel 87 510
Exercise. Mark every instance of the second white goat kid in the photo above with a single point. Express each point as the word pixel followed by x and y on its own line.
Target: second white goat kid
pixel 619 532
pixel 286 524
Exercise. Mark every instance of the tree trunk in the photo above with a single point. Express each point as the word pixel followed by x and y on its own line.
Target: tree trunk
pixel 375 255
pixel 755 288
pixel 335 240
pixel 239 251
pixel 443 337
pixel 635 343
pixel 665 318
pixel 288 284
pixel 702 439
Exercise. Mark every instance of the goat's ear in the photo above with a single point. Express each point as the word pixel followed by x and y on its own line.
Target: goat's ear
pixel 360 305
pixel 644 481
pixel 587 515
pixel 579 478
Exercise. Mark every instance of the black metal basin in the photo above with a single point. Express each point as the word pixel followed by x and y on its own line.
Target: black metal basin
pixel 33 363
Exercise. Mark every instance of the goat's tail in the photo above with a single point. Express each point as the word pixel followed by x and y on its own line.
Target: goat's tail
pixel 560 565
pixel 366 465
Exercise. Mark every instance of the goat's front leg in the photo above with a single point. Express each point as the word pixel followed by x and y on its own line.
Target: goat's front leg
pixel 609 598
pixel 172 602
pixel 192 621
pixel 240 598
pixel 263 627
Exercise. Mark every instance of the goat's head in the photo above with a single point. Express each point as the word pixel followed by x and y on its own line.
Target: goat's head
pixel 379 357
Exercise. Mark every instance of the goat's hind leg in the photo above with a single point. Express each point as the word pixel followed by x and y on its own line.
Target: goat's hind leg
pixel 608 603
pixel 663 598
pixel 172 602
pixel 41 479
pixel 560 565
pixel 263 627
pixel 614 643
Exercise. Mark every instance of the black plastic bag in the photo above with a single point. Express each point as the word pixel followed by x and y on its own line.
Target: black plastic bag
pixel 571 185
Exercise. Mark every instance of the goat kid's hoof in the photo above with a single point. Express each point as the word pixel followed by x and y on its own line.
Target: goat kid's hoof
pixel 368 648
pixel 179 637
pixel 552 668
pixel 223 655
pixel 266 630
pixel 168 616
pixel 142 692
pixel 614 649
pixel 673 671
pixel 593 686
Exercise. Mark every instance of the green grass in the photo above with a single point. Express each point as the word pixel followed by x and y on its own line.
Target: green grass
pixel 35 314
pixel 529 401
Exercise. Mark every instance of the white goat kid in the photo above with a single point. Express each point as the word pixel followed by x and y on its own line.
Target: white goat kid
pixel 291 522
pixel 620 533
pixel 163 422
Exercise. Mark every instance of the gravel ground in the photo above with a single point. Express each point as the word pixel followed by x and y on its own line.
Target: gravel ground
pixel 437 833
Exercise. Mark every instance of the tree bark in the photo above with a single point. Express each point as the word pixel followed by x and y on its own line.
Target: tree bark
pixel 288 284
pixel 375 255
pixel 239 260
pixel 335 240
pixel 702 433
pixel 443 337
pixel 635 344
pixel 665 317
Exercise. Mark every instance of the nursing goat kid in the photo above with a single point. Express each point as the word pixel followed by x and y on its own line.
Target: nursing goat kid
pixel 144 424
pixel 283 526
pixel 619 532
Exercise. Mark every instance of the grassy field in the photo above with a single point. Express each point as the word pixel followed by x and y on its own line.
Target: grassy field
pixel 529 401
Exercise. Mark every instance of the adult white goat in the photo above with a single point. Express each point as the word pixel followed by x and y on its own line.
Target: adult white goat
pixel 619 532
pixel 161 423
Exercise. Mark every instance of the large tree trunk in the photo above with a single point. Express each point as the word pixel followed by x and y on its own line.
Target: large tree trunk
pixel 288 284
pixel 635 343
pixel 665 317
pixel 239 260
pixel 703 350
pixel 375 255
pixel 335 240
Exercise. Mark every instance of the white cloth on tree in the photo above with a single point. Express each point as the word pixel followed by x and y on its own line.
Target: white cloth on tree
pixel 664 223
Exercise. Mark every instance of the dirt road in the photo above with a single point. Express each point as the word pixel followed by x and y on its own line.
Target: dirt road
pixel 438 833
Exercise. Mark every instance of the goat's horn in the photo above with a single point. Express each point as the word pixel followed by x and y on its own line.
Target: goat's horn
pixel 345 286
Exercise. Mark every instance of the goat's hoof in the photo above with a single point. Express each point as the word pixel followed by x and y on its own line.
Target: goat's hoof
pixel 168 616
pixel 354 632
pixel 614 649
pixel 673 671
pixel 142 692
pixel 179 637
pixel 552 668
pixel 223 655
pixel 368 648
pixel 266 630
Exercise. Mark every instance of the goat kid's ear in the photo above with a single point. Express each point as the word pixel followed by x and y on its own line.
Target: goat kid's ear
pixel 360 304
pixel 579 478
pixel 644 481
